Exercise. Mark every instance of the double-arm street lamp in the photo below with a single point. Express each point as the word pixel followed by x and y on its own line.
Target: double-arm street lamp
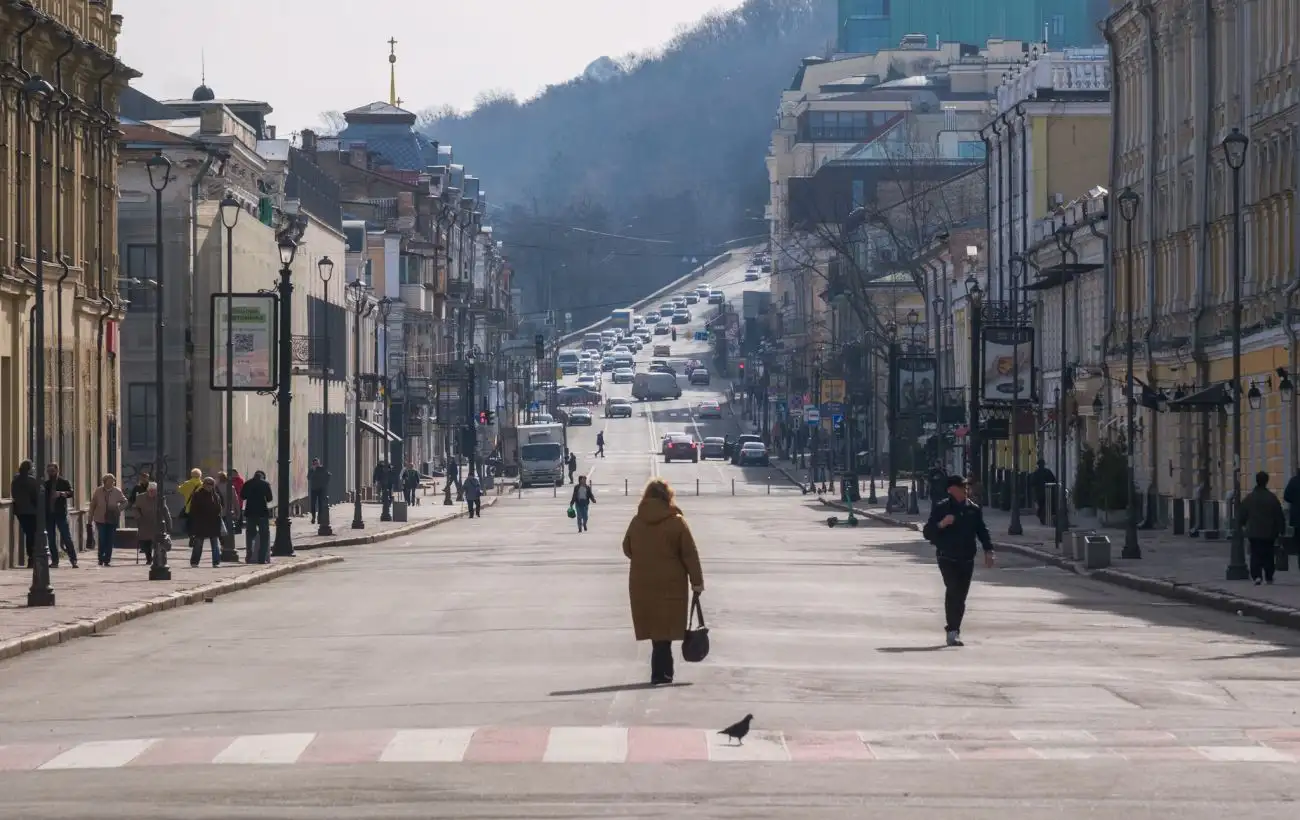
pixel 1128 207
pixel 37 94
pixel 973 444
pixel 1065 242
pixel 230 209
pixel 159 168
pixel 1234 151
pixel 283 545
pixel 360 308
pixel 385 480
pixel 325 268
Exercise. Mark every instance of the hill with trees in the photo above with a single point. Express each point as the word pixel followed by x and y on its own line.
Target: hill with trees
pixel 607 186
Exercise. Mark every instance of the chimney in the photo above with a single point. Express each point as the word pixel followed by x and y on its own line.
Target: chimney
pixel 270 132
pixel 309 143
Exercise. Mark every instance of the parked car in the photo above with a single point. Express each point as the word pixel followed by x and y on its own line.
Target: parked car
pixel 752 452
pixel 681 446
pixel 709 410
pixel 580 416
pixel 740 442
pixel 713 447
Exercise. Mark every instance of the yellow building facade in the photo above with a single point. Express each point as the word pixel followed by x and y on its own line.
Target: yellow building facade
pixel 1186 75
pixel 69 44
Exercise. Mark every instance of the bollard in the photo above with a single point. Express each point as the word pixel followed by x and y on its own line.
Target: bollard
pixel 733 486
pixel 519 488
pixel 697 488
pixel 555 490
pixel 769 483
pixel 625 486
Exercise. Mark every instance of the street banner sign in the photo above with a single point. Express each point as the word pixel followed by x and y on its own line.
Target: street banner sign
pixel 812 415
pixel 833 390
pixel 1002 345
pixel 253 325
pixel 832 408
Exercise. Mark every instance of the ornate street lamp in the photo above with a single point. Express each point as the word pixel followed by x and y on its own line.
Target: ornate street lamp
pixel 973 444
pixel 1128 207
pixel 159 168
pixel 325 269
pixel 283 546
pixel 1065 242
pixel 1234 151
pixel 229 210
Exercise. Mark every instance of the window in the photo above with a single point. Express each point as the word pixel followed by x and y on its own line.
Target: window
pixel 142 416
pixel 971 149
pixel 843 126
pixel 1058 25
pixel 859 193
pixel 137 284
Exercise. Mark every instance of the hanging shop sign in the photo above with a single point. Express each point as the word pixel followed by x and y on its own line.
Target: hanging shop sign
pixel 914 386
pixel 1003 345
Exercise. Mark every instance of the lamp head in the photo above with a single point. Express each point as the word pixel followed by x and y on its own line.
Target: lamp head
pixel 38 92
pixel 1254 396
pixel 230 209
pixel 972 286
pixel 1234 148
pixel 1097 405
pixel 288 249
pixel 913 318
pixel 1064 237
pixel 160 171
pixel 1128 204
pixel 325 267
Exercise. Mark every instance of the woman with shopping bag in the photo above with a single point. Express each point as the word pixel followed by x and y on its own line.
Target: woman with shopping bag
pixel 580 503
pixel 664 569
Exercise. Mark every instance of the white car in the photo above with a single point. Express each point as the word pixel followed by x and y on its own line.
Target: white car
pixel 589 382
pixel 751 275
pixel 624 375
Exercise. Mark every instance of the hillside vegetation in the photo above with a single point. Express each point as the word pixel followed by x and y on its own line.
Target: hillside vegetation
pixel 668 148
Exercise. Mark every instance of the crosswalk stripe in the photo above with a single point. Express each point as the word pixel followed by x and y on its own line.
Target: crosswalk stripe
pixel 103 754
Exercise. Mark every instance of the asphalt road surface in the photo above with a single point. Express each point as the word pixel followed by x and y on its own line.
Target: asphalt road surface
pixel 486 669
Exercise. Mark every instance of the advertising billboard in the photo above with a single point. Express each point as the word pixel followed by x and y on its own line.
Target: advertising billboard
pixel 251 321
pixel 914 386
pixel 1002 346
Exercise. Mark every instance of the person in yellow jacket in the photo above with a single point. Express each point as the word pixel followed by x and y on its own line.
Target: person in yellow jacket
pixel 187 489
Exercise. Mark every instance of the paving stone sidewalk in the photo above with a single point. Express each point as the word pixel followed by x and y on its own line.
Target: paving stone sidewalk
pixel 93 598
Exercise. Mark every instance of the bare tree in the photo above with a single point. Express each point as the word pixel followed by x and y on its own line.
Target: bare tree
pixel 332 123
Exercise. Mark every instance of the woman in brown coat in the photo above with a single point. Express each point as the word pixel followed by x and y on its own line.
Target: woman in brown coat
pixel 148 505
pixel 205 521
pixel 664 559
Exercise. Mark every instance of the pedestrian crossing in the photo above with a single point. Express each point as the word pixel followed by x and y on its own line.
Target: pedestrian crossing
pixel 657 744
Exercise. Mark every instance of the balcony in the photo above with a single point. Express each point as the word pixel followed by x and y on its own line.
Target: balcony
pixel 1071 71
pixel 417 297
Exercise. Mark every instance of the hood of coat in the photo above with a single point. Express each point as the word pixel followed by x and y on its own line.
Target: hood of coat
pixel 655 511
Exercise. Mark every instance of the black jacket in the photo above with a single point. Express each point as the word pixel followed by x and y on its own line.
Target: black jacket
pixel 257 498
pixel 957 541
pixel 58 503
pixel 1291 495
pixel 25 490
pixel 318 478
pixel 1260 515
pixel 591 494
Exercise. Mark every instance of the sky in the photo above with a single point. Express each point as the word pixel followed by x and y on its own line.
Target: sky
pixel 309 56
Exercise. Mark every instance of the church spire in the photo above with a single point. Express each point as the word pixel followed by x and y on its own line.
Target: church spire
pixel 392 73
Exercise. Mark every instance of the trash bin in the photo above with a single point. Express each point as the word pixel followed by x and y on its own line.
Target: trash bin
pixel 1075 544
pixel 399 511
pixel 849 488
pixel 1096 553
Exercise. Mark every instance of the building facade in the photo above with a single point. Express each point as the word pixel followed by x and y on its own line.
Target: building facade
pixel 58 159
pixel 868 26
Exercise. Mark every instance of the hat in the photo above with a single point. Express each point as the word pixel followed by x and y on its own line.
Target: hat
pixel 956 481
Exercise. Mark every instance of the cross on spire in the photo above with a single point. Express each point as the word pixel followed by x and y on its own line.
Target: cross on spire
pixel 392 73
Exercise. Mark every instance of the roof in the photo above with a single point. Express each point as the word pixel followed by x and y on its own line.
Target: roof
pixel 379 111
pixel 145 133
pixel 396 142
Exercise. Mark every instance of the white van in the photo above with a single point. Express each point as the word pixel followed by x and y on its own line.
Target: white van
pixel 655 386
pixel 567 361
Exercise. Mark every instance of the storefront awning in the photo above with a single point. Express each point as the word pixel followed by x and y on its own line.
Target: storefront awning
pixel 375 429
pixel 1217 397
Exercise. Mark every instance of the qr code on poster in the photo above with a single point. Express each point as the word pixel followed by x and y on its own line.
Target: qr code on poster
pixel 243 342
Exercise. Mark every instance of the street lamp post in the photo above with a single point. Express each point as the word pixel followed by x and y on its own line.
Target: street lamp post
pixel 229 217
pixel 973 443
pixel 1234 150
pixel 159 168
pixel 1064 241
pixel 1017 270
pixel 283 545
pixel 913 503
pixel 37 94
pixel 325 268
pixel 1128 206
pixel 938 304
pixel 358 308
pixel 386 480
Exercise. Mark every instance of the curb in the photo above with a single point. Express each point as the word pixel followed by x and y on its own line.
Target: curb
pixel 388 535
pixel 1269 613
pixel 114 617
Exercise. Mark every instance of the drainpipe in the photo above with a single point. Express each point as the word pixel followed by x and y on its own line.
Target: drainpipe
pixel 1293 420
pixel 1004 221
pixel 57 135
pixel 101 151
pixel 18 248
pixel 1108 295
pixel 196 189
pixel 1200 140
pixel 1104 236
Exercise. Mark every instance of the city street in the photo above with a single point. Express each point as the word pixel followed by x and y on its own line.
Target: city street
pixel 487 669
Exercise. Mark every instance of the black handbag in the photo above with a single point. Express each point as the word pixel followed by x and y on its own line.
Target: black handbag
pixel 695 644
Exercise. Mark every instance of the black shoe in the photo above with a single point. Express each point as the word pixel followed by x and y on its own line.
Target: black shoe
pixel 194 564
pixel 661 680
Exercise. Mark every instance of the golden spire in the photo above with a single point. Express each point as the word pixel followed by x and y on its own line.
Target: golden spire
pixel 392 72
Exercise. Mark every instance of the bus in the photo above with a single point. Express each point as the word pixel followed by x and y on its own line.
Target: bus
pixel 623 319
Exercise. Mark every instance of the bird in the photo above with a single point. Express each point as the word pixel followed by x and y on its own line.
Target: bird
pixel 737 731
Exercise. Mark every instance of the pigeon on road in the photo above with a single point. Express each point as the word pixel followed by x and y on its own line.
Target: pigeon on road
pixel 737 731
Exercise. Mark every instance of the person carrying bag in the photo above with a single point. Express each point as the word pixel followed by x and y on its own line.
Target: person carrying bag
pixel 580 503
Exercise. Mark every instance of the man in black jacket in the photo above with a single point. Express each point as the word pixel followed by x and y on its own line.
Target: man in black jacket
pixel 257 519
pixel 57 492
pixel 25 490
pixel 955 524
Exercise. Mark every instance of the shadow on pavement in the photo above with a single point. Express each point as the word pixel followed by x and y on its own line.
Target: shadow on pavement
pixel 903 650
pixel 621 687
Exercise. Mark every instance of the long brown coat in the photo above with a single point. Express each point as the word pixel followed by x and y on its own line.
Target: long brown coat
pixel 146 517
pixel 665 564
pixel 205 514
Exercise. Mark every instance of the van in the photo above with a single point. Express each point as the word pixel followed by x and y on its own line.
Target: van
pixel 591 341
pixel 655 386
pixel 567 361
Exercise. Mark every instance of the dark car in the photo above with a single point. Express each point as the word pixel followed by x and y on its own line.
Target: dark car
pixel 681 447
pixel 740 442
pixel 752 452
pixel 713 447
pixel 579 415
pixel 709 410
pixel 662 330
pixel 699 376
pixel 577 396
pixel 618 407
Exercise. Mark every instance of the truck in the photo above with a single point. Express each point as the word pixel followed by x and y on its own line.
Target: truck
pixel 622 319
pixel 541 454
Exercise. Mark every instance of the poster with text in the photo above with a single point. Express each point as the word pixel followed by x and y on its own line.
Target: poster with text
pixel 248 320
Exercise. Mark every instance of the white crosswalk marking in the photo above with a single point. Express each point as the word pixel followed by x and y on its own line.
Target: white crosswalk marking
pixel 264 749
pixel 428 746
pixel 103 754
pixel 586 744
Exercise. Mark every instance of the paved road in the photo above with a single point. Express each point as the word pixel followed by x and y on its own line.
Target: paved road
pixel 486 669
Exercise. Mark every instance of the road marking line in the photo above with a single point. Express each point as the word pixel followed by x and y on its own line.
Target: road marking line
pixel 428 746
pixel 182 751
pixel 662 744
pixel 100 754
pixel 28 756
pixel 586 744
pixel 521 744
pixel 1245 754
pixel 823 746
pixel 265 749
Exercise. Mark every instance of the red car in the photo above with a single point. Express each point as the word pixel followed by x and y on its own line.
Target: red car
pixel 681 447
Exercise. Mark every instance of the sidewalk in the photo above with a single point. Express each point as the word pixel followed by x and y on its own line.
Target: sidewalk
pixel 1185 569
pixel 93 599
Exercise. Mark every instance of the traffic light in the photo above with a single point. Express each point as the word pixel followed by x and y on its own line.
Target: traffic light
pixel 674 334
pixel 485 417
pixel 740 368
pixel 539 346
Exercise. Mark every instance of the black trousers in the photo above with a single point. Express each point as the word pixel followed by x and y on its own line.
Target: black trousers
pixel 318 503
pixel 1263 558
pixel 475 506
pixel 408 495
pixel 956 581
pixel 27 524
pixel 661 660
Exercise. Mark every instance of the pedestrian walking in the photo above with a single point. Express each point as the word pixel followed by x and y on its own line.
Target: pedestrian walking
pixel 25 490
pixel 106 506
pixel 410 483
pixel 148 505
pixel 955 524
pixel 380 479
pixel 1261 518
pixel 1292 497
pixel 600 444
pixel 57 492
pixel 572 462
pixel 187 488
pixel 237 486
pixel 318 484
pixel 583 497
pixel 937 481
pixel 474 496
pixel 141 484
pixel 663 563
pixel 206 510
pixel 257 519
pixel 1038 481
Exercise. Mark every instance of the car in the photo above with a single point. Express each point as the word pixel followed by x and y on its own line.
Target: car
pixel 713 447
pixel 667 437
pixel 542 418
pixel 652 319
pixel 699 376
pixel 766 267
pixel 717 297
pixel 661 350
pixel 577 396
pixel 702 291
pixel 607 364
pixel 589 382
pixel 752 452
pixel 751 276
pixel 624 375
pixel 661 368
pixel 621 350
pixel 681 446
pixel 681 317
pixel 709 410
pixel 662 330
pixel 666 310
pixel 740 442
pixel 618 408
pixel 692 298
pixel 580 416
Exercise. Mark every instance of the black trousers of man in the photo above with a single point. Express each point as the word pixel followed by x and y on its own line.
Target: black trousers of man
pixel 956 581
pixel 1263 559
pixel 318 503
pixel 475 506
